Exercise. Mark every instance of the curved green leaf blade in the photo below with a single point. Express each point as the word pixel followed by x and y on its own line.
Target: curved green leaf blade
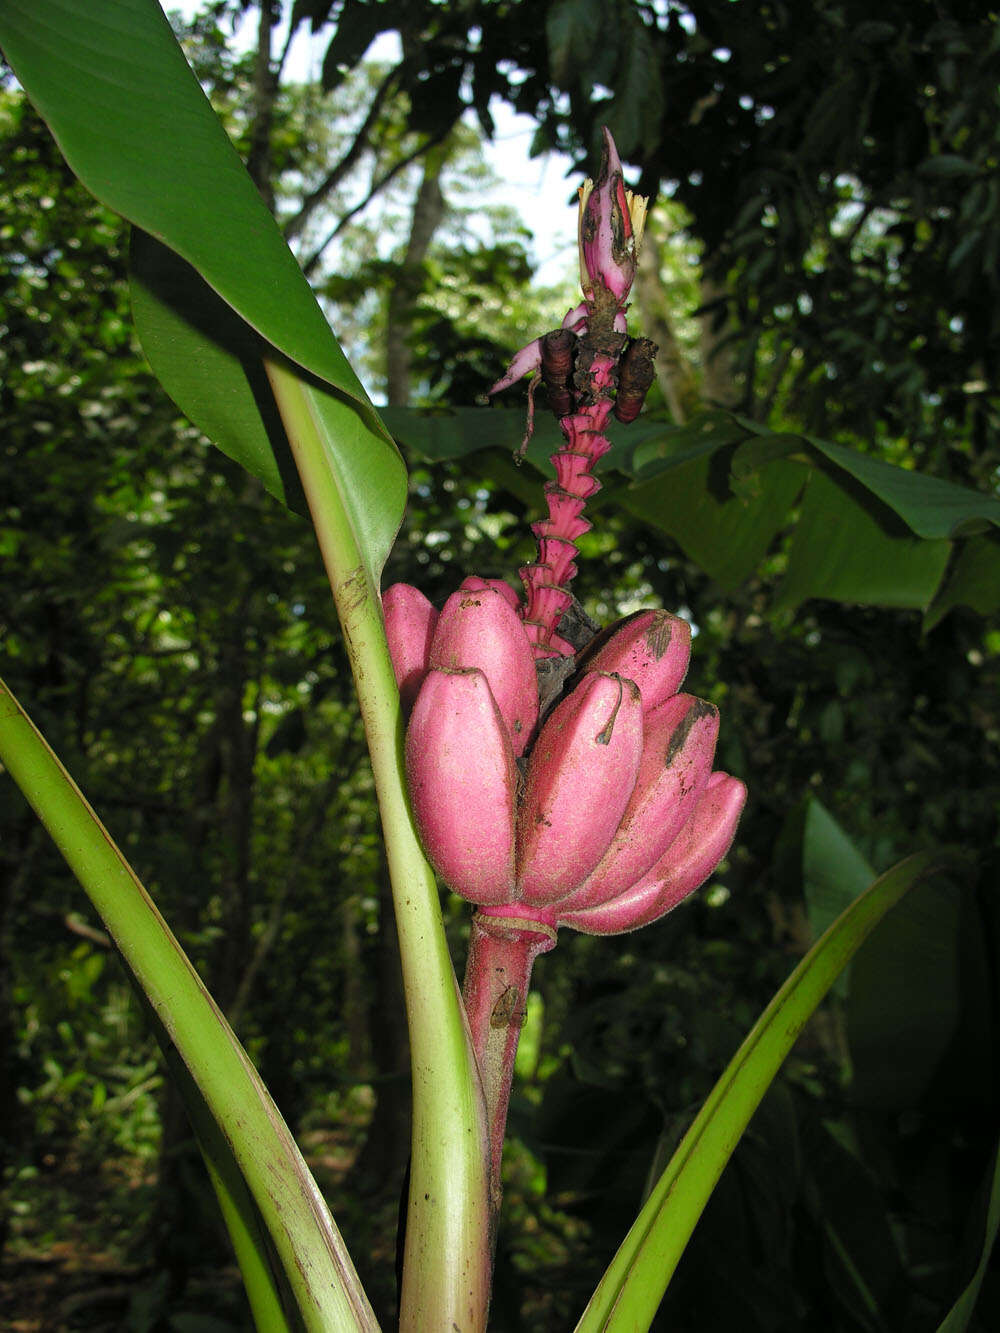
pixel 929 507
pixel 210 363
pixel 724 488
pixel 834 874
pixel 842 551
pixel 633 1285
pixel 648 450
pixel 974 581
pixel 727 534
pixel 133 123
pixel 309 1247
pixel 958 1317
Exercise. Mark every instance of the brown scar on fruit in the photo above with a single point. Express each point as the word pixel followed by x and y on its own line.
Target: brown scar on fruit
pixel 658 637
pixel 695 713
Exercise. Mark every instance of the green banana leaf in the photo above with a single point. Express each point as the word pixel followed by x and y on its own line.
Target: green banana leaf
pixel 724 488
pixel 633 1285
pixel 958 1317
pixel 133 123
pixel 256 1168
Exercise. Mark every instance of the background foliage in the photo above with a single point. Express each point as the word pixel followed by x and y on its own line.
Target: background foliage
pixel 826 263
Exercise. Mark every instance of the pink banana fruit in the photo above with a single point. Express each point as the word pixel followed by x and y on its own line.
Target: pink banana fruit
pixel 479 628
pixel 474 583
pixel 678 745
pixel 689 860
pixel 410 621
pixel 650 647
pixel 611 225
pixel 581 774
pixel 462 780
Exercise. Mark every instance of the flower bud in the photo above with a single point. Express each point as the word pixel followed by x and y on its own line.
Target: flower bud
pixel 479 628
pixel 650 647
pixel 581 774
pixel 462 781
pixel 410 620
pixel 687 863
pixel 611 226
pixel 678 745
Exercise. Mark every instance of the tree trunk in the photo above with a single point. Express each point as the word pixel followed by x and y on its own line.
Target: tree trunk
pixel 428 210
pixel 719 384
pixel 673 373
pixel 265 91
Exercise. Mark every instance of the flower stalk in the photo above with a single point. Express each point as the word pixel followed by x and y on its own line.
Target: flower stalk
pixel 590 369
pixel 502 953
pixel 558 778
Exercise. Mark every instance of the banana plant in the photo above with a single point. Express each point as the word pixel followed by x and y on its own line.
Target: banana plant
pixel 553 775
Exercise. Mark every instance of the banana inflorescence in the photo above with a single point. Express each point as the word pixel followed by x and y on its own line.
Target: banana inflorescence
pixel 603 815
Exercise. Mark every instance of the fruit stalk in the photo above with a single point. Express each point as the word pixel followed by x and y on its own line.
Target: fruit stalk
pixel 502 953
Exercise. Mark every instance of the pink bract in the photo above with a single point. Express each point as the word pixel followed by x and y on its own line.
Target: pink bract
pixel 607 245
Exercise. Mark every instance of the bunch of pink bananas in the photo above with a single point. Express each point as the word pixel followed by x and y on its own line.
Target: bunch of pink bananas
pixel 603 814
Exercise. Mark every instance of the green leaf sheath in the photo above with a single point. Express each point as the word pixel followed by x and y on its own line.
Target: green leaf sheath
pixel 309 1247
pixel 448 1257
pixel 633 1285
